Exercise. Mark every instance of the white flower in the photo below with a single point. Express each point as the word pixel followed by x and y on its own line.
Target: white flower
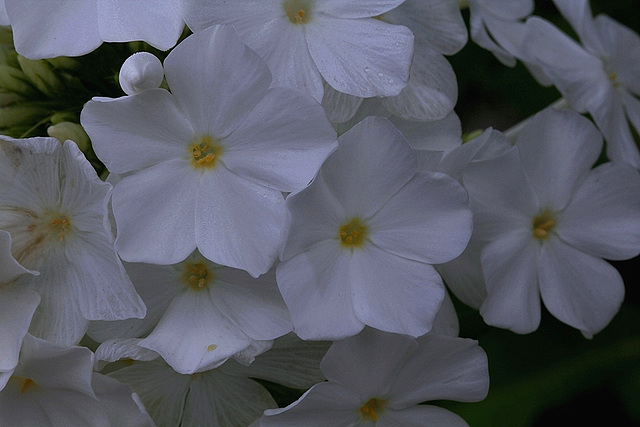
pixel 548 221
pixel 55 208
pixel 304 41
pixel 381 378
pixel 53 385
pixel 200 314
pixel 225 396
pixel 364 235
pixel 141 71
pixel 72 28
pixel 16 309
pixel 600 77
pixel 207 163
pixel 4 18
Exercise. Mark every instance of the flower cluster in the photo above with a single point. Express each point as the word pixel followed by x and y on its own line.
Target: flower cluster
pixel 280 192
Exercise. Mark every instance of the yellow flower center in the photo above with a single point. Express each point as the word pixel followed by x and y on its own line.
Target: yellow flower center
pixel 60 226
pixel 371 409
pixel 204 152
pixel 298 11
pixel 22 383
pixel 197 276
pixel 543 224
pixel 353 233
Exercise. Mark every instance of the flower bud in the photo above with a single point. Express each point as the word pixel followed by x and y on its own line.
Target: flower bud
pixel 69 130
pixel 141 71
pixel 14 80
pixel 41 74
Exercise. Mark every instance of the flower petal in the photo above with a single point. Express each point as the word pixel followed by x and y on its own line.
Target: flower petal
pixel 417 416
pixel 362 57
pixel 356 8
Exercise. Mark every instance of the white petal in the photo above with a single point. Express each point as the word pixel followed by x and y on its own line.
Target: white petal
pixel 432 90
pixel 157 22
pixel 253 305
pixel 193 335
pixel 282 143
pixel 216 80
pixel 216 399
pixel 603 218
pixel 464 277
pixel 16 310
pixel 135 132
pixel 315 285
pixel 394 294
pixel 324 404
pixel 417 416
pixel 444 134
pixel 350 362
pixel 356 8
pixel 557 149
pixel 362 57
pixel 120 403
pixel 162 390
pixel 353 171
pixel 509 9
pixel 116 349
pixel 154 212
pixel 4 18
pixel 141 71
pixel 446 321
pixel 610 118
pixel 621 46
pixel 436 24
pixel 501 196
pixel 238 223
pixel 10 269
pixel 442 367
pixel 578 289
pixel 42 31
pixel 510 266
pixel 339 106
pixel 427 220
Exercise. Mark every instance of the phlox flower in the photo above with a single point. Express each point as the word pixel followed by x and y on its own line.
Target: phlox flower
pixel 205 165
pixel 16 309
pixel 54 386
pixel 600 76
pixel 55 208
pixel 306 41
pixel 201 313
pixel 547 219
pixel 363 237
pixel 72 28
pixel 226 396
pixel 381 378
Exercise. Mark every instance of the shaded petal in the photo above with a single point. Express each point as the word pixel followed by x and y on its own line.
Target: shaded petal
pixel 119 402
pixel 193 335
pixel 324 404
pixel 621 48
pixel 509 9
pixel 442 134
pixel 218 89
pixel 356 8
pixel 610 118
pixel 558 149
pixel 578 289
pixel 350 362
pixel 154 212
pixel 339 106
pixel 442 367
pixel 41 31
pixel 446 321
pixel 135 132
pixel 10 269
pixel 362 57
pixel 116 349
pixel 510 266
pixel 417 416
pixel 427 220
pixel 603 218
pixel 239 224
pixel 432 90
pixel 216 399
pixel 316 286
pixel 282 143
pixel 162 390
pixel 157 22
pixel 352 172
pixel 394 294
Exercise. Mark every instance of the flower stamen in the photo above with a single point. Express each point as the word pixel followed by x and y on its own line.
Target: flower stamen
pixel 204 152
pixel 197 276
pixel 371 409
pixel 353 233
pixel 543 224
pixel 297 11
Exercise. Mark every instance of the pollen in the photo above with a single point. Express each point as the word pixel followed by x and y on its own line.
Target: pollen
pixel 298 11
pixel 211 347
pixel 543 224
pixel 371 409
pixel 205 152
pixel 197 276
pixel 60 226
pixel 614 79
pixel 353 233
